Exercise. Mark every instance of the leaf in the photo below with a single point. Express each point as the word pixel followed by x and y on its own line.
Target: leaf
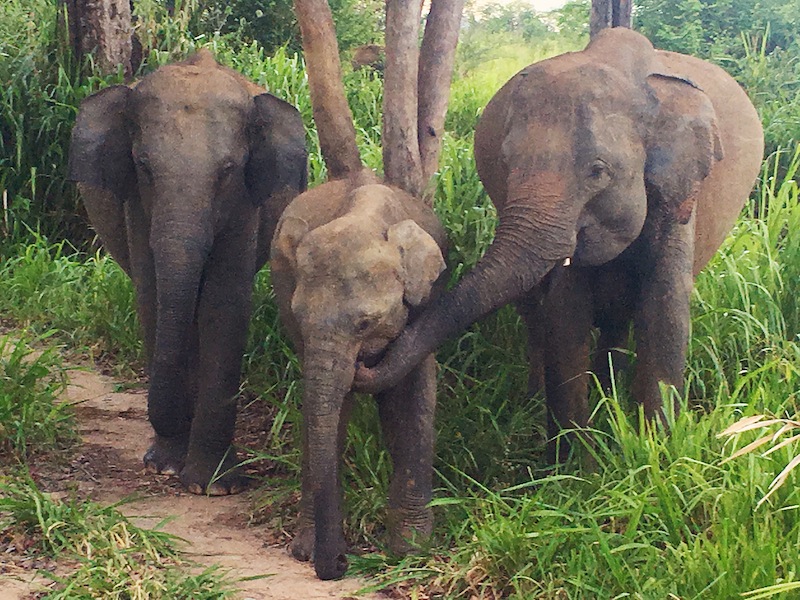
pixel 780 479
pixel 785 442
pixel 749 448
pixel 741 427
pixel 735 428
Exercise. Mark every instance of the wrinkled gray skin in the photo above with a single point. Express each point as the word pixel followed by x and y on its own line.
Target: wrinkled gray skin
pixel 351 262
pixel 631 163
pixel 184 176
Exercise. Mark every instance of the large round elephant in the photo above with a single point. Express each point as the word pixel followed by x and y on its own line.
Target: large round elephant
pixel 184 176
pixel 351 259
pixel 616 172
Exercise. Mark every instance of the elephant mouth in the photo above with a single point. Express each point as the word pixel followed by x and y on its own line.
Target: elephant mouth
pixel 372 351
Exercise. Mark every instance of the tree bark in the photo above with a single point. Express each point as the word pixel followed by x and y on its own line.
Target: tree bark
pixel 435 72
pixel 401 157
pixel 609 13
pixel 102 27
pixel 337 134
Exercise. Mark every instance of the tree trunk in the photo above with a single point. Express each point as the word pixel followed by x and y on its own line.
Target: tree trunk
pixel 101 27
pixel 609 13
pixel 337 134
pixel 435 70
pixel 401 159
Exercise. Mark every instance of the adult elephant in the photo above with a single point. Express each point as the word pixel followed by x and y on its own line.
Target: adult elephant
pixel 184 176
pixel 625 163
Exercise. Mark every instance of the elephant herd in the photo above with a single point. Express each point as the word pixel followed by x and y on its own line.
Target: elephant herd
pixel 616 172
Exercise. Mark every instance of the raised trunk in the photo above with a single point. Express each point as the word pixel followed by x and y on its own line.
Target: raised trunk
pixel 328 375
pixel 527 245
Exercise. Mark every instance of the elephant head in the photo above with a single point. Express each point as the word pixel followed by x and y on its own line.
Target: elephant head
pixel 346 279
pixel 576 152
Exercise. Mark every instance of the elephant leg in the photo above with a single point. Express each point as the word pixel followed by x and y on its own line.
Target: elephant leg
pixel 613 291
pixel 302 546
pixel 407 418
pixel 530 309
pixel 568 304
pixel 223 313
pixel 661 326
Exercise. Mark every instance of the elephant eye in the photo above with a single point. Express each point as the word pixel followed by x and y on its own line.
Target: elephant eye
pixel 364 323
pixel 599 169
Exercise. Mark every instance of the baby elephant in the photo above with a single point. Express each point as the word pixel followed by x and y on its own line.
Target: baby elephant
pixel 184 176
pixel 351 263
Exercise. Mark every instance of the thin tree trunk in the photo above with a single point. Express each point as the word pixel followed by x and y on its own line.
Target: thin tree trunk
pixel 337 134
pixel 102 27
pixel 435 71
pixel 609 13
pixel 401 158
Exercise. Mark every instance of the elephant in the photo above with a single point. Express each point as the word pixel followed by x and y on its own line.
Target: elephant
pixel 616 171
pixel 184 175
pixel 352 260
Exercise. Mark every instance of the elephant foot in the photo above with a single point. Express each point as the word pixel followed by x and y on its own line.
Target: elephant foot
pixel 166 456
pixel 331 567
pixel 214 477
pixel 409 533
pixel 302 546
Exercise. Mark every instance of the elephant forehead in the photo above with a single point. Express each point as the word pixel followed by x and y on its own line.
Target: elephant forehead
pixel 347 254
pixel 189 90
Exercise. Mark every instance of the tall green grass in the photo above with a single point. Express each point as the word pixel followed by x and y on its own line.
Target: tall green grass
pixel 32 421
pixel 111 558
pixel 658 516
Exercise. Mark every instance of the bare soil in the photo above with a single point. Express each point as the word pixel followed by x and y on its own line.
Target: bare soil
pixel 108 467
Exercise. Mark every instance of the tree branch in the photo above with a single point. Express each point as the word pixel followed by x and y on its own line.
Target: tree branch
pixel 435 72
pixel 401 158
pixel 337 134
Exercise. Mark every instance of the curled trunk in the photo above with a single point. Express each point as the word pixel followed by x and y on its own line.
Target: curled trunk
pixel 529 242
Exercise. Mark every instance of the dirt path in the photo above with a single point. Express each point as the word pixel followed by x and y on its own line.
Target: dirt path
pixel 115 435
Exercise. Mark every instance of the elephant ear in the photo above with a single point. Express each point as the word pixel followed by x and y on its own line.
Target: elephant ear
pixel 421 260
pixel 278 162
pixel 683 143
pixel 100 148
pixel 289 234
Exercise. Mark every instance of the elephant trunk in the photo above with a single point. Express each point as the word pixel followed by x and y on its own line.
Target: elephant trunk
pixel 180 245
pixel 328 377
pixel 534 234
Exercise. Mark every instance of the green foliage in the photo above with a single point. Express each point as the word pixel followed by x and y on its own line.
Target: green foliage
pixel 87 301
pixel 115 559
pixel 272 23
pixel 31 418
pixel 658 515
pixel 572 19
pixel 772 80
pixel 711 28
